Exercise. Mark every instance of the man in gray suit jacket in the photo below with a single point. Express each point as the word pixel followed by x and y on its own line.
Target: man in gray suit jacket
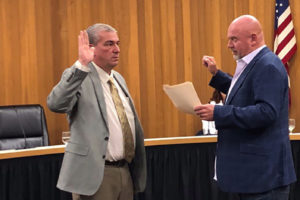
pixel 94 165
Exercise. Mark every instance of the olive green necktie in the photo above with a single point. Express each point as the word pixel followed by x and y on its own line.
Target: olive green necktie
pixel 127 134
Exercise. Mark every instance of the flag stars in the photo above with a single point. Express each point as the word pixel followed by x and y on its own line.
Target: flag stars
pixel 280 5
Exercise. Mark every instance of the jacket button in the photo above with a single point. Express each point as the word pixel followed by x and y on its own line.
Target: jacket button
pixel 106 138
pixel 103 156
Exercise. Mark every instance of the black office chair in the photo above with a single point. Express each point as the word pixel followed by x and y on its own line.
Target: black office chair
pixel 22 126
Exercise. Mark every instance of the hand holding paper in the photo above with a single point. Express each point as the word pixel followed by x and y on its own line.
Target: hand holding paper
pixel 183 96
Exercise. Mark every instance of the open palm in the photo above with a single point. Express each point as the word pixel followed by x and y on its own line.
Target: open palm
pixel 85 52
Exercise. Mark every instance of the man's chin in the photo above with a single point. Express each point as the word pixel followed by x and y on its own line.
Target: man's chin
pixel 236 57
pixel 114 64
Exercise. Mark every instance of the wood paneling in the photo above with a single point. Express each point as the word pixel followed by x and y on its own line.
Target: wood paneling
pixel 162 42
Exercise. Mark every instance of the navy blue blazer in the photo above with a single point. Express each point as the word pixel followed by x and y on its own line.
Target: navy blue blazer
pixel 254 151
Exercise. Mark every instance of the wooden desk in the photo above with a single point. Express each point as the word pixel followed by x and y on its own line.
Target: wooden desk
pixel 178 169
pixel 56 149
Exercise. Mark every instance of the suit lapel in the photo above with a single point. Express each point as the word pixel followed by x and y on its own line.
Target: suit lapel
pixel 122 86
pixel 99 92
pixel 244 75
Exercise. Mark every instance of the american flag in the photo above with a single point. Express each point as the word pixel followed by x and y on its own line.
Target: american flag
pixel 285 40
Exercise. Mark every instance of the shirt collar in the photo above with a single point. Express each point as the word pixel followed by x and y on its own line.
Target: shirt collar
pixel 248 58
pixel 104 76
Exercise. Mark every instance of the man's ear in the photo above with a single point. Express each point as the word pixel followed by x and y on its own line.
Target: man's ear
pixel 253 39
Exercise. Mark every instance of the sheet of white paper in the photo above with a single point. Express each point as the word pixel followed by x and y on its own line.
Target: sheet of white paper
pixel 183 96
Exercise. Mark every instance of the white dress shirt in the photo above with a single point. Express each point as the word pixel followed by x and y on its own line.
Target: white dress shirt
pixel 241 66
pixel 115 147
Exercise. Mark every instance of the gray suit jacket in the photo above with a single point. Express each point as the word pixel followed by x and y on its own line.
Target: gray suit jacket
pixel 80 95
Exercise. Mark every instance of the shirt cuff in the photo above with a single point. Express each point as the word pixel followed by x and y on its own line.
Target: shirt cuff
pixel 81 67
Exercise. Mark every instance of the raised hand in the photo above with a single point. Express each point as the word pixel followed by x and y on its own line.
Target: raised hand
pixel 85 52
pixel 210 63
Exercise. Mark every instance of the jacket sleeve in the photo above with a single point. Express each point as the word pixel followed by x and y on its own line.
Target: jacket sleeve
pixel 221 81
pixel 65 94
pixel 269 93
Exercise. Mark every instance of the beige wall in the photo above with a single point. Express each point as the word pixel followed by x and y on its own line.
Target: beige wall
pixel 162 42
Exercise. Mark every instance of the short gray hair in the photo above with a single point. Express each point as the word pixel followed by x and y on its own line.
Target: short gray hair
pixel 93 32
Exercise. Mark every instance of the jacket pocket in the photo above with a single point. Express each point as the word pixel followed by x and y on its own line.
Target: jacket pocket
pixel 77 149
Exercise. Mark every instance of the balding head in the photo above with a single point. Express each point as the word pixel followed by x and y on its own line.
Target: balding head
pixel 245 35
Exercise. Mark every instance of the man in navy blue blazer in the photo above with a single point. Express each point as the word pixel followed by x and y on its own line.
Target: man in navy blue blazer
pixel 254 158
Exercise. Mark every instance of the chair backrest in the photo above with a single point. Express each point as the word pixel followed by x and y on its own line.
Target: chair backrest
pixel 22 126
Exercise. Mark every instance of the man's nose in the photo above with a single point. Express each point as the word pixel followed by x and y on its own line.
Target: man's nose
pixel 229 44
pixel 116 49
